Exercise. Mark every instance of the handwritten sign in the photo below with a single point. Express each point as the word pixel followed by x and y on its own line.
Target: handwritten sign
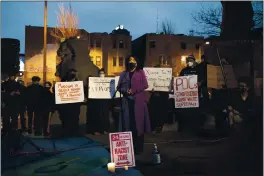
pixel 186 92
pixel 101 88
pixel 121 149
pixel 69 92
pixel 159 79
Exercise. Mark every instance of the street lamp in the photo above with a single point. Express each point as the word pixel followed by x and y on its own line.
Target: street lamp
pixel 207 43
pixel 45 41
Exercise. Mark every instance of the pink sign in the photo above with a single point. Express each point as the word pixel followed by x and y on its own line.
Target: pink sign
pixel 121 148
pixel 186 92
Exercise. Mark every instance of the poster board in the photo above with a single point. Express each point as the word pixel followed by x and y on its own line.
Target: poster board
pixel 121 149
pixel 158 79
pixel 186 92
pixel 69 92
pixel 215 78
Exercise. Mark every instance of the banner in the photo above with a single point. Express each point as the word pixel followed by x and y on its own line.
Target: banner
pixel 69 92
pixel 186 92
pixel 159 79
pixel 215 78
pixel 121 149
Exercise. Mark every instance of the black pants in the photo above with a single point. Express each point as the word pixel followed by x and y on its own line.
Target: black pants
pixel 10 114
pixel 22 111
pixel 69 116
pixel 158 112
pixel 97 116
pixel 37 115
pixel 137 140
pixel 171 108
pixel 45 121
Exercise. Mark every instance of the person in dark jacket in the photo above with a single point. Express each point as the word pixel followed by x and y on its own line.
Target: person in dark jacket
pixel 34 105
pixel 22 105
pixel 48 106
pixel 187 118
pixel 202 68
pixel 98 121
pixel 158 109
pixel 11 90
pixel 69 113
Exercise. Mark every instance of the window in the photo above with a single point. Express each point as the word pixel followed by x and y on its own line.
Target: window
pixel 114 44
pixel 152 44
pixel 91 57
pixel 197 46
pixel 98 43
pixel 91 43
pixel 183 45
pixel 114 61
pixel 121 61
pixel 121 44
pixel 98 60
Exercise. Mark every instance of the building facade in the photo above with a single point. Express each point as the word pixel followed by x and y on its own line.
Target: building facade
pixel 167 50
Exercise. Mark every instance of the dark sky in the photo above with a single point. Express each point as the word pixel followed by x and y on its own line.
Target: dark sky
pixel 138 17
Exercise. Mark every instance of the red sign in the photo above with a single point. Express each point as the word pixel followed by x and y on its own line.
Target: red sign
pixel 121 148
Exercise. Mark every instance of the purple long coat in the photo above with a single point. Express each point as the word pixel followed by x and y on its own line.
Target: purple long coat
pixel 138 85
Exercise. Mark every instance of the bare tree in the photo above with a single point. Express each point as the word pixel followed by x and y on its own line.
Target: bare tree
pixel 67 24
pixel 209 19
pixel 167 27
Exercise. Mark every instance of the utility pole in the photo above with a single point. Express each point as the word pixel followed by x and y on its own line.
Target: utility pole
pixel 157 22
pixel 45 42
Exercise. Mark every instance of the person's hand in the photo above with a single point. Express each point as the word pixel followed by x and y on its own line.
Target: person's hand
pixel 129 91
pixel 12 93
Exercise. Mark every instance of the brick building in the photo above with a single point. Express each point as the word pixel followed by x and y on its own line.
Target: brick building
pixel 166 50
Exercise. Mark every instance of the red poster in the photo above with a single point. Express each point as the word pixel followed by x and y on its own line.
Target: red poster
pixel 121 149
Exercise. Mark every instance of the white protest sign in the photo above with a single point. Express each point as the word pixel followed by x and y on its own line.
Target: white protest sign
pixel 186 92
pixel 158 79
pixel 121 149
pixel 69 92
pixel 101 88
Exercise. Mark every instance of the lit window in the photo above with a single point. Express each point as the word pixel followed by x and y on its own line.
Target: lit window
pixel 121 61
pixel 91 57
pixel 183 58
pixel 98 60
pixel 114 61
pixel 161 60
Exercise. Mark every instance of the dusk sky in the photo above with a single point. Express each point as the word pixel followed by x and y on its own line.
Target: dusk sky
pixel 138 17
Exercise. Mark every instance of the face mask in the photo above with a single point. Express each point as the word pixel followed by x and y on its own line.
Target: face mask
pixel 132 65
pixel 72 76
pixel 190 64
pixel 102 75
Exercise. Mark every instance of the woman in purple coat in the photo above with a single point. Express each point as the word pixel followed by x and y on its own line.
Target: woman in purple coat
pixel 135 117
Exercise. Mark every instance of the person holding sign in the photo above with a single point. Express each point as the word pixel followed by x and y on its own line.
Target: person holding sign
pixel 98 113
pixel 192 116
pixel 135 116
pixel 69 113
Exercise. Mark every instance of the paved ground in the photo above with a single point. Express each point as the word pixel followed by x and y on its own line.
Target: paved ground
pixel 185 155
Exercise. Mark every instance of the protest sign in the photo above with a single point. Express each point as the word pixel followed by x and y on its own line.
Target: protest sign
pixel 159 79
pixel 101 87
pixel 121 149
pixel 69 92
pixel 215 78
pixel 186 92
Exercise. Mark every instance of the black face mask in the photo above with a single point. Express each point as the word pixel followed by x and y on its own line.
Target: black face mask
pixel 132 65
pixel 72 76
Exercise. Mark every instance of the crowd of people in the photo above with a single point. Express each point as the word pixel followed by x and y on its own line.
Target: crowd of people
pixel 137 114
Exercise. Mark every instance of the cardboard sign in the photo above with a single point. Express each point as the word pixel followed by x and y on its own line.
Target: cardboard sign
pixel 215 78
pixel 69 92
pixel 159 79
pixel 121 149
pixel 186 92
